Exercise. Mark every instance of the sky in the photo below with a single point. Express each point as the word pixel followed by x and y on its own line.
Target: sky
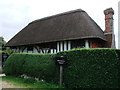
pixel 16 14
pixel 119 25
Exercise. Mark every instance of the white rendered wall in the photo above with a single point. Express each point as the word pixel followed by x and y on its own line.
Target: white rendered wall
pixel 65 45
pixel 69 45
pixel 25 50
pixel 87 44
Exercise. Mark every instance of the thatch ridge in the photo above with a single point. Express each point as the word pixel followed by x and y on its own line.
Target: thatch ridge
pixel 57 15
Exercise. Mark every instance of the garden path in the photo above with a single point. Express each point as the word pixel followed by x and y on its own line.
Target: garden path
pixel 5 84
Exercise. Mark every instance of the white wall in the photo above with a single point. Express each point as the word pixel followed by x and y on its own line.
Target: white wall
pixel 25 50
pixel 61 46
pixel 35 50
pixel 87 44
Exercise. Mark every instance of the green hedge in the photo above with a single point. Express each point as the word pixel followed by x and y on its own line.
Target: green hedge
pixel 4 52
pixel 14 64
pixel 118 53
pixel 91 68
pixel 41 66
pixel 84 68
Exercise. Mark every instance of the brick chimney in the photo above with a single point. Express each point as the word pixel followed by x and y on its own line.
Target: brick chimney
pixel 109 28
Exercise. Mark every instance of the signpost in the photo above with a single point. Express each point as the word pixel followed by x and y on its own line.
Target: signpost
pixel 61 62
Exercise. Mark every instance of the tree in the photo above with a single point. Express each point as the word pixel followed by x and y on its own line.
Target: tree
pixel 2 43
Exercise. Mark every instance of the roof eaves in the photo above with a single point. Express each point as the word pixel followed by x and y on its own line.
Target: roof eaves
pixel 60 40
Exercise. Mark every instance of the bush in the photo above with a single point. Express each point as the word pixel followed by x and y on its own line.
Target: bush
pixel 14 64
pixel 41 66
pixel 118 53
pixel 91 68
pixel 3 53
pixel 84 68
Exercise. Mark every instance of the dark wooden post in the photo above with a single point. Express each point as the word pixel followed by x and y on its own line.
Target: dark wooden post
pixel 61 62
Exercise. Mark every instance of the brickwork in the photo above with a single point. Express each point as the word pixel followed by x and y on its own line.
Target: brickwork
pixel 109 33
pixel 96 43
pixel 109 42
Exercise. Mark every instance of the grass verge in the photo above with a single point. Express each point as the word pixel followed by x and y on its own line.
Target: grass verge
pixel 28 83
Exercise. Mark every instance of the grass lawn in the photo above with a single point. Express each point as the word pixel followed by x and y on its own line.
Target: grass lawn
pixel 27 83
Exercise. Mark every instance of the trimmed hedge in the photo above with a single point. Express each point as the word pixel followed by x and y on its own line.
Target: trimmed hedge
pixel 41 66
pixel 84 68
pixel 14 64
pixel 118 53
pixel 4 52
pixel 91 68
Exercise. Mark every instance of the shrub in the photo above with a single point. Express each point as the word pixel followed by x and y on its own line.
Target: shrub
pixel 4 52
pixel 118 53
pixel 91 68
pixel 84 68
pixel 41 66
pixel 14 64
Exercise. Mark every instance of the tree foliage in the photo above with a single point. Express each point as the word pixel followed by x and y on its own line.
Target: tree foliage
pixel 2 43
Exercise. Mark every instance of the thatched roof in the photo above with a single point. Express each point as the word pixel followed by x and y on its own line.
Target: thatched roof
pixel 76 24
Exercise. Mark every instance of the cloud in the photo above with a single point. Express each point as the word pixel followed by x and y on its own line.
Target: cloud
pixel 16 14
pixel 13 16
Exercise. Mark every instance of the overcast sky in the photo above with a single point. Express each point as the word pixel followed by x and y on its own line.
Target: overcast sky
pixel 16 14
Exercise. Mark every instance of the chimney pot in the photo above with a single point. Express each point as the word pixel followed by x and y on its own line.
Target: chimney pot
pixel 108 11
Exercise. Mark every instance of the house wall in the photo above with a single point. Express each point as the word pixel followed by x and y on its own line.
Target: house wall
pixel 78 43
pixel 44 48
pixel 94 45
pixel 97 43
pixel 63 45
pixel 58 46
